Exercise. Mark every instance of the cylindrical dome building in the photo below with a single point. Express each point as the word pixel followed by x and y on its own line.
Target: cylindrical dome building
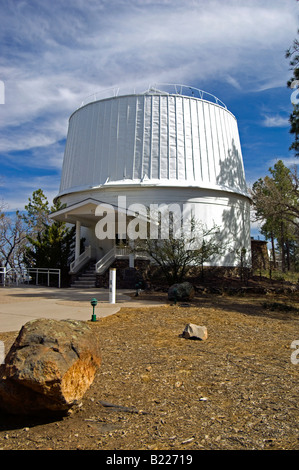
pixel 169 144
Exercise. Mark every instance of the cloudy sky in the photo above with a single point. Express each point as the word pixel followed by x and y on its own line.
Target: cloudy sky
pixel 56 53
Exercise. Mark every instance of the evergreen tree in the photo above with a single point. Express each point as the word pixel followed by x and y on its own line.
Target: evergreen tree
pixel 52 245
pixel 294 129
pixel 37 215
pixel 276 204
pixel 293 54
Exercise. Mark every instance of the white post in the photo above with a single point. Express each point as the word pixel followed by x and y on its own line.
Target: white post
pixel 78 237
pixel 112 285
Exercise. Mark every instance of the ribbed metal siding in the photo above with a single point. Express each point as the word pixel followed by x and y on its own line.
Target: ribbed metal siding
pixel 153 138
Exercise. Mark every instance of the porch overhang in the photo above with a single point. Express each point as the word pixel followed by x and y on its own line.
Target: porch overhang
pixel 83 212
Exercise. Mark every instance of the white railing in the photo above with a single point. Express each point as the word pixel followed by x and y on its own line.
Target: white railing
pixel 21 276
pixel 78 263
pixel 122 252
pixel 168 88
pixel 2 275
pixel 48 271
pixel 115 253
pixel 106 261
pixel 11 276
pixel 108 258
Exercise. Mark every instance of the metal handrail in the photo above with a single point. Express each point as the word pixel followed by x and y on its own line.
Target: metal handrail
pixel 8 274
pixel 116 252
pixel 3 272
pixel 105 261
pixel 22 275
pixel 48 271
pixel 78 263
pixel 167 88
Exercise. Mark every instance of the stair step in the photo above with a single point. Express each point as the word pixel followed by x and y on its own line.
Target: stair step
pixel 82 287
pixel 86 280
pixel 82 283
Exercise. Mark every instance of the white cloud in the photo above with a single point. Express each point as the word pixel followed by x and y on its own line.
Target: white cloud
pixel 54 54
pixel 289 162
pixel 276 121
pixel 263 169
pixel 72 52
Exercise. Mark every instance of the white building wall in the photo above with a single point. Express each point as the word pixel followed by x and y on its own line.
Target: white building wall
pixel 227 211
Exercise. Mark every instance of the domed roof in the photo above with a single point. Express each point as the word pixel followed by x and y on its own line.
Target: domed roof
pixel 154 138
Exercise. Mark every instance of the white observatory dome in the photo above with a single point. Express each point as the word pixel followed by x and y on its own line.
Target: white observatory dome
pixel 169 144
pixel 153 138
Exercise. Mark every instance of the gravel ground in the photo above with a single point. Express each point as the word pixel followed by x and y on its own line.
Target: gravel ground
pixel 237 390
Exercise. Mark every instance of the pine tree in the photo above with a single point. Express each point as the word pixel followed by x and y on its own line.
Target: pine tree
pixel 37 215
pixel 52 246
pixel 276 204
pixel 293 54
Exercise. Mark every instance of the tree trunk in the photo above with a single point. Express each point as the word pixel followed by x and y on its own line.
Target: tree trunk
pixel 273 251
pixel 288 255
pixel 283 267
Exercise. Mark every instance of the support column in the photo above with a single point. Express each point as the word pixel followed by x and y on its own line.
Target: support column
pixel 78 238
pixel 131 255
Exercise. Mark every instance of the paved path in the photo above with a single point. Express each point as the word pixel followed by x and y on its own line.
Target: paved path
pixel 18 305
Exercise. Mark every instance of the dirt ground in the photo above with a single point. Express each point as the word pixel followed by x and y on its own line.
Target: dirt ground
pixel 237 390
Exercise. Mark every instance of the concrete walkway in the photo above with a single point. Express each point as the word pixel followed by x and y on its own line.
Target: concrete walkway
pixel 18 305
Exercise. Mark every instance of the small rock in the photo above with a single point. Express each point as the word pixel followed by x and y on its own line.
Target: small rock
pixel 192 331
pixel 188 440
pixel 145 378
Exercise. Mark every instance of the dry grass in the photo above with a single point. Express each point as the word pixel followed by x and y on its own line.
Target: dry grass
pixel 236 390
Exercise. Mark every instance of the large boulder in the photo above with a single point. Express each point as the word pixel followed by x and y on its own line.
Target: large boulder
pixel 181 291
pixel 49 367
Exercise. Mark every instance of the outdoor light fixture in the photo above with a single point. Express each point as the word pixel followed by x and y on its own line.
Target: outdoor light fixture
pixel 138 288
pixel 93 302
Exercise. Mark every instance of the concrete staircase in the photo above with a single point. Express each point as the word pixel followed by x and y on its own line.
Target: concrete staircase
pixel 86 280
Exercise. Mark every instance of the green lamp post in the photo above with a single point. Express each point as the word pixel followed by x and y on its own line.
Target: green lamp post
pixel 93 303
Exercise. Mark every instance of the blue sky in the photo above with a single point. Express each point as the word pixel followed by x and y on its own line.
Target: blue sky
pixel 54 54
